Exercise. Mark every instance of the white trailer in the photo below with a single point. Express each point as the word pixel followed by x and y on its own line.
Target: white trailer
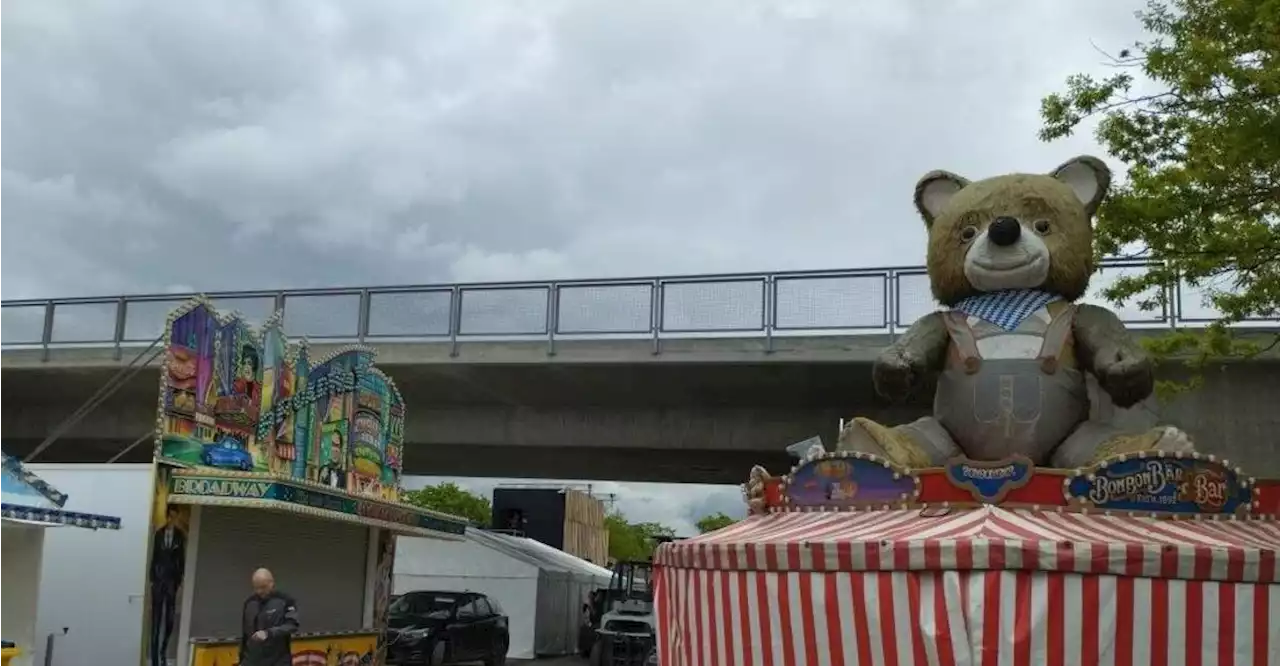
pixel 92 582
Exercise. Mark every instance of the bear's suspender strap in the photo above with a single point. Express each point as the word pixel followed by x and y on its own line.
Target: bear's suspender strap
pixel 962 336
pixel 1055 338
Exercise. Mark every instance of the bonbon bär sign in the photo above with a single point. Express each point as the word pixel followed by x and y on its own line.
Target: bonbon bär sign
pixel 1187 485
pixel 1162 483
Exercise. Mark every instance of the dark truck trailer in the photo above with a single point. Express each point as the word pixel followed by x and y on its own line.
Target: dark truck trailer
pixel 565 519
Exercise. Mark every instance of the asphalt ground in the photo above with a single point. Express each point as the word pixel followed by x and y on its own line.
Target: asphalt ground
pixel 572 660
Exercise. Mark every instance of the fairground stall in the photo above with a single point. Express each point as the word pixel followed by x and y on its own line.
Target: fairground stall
pixel 849 560
pixel 268 457
pixel 29 507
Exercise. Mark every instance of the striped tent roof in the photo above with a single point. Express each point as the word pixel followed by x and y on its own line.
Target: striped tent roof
pixel 989 538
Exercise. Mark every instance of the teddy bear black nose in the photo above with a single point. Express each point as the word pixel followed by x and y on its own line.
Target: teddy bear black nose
pixel 1004 231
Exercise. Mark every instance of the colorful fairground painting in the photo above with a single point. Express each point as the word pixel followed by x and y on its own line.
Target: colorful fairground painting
pixel 244 400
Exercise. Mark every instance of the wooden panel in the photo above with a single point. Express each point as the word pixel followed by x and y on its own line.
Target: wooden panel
pixel 585 534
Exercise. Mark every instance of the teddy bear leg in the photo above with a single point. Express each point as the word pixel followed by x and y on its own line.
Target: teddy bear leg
pixel 1159 438
pixel 932 439
pixel 1094 441
pixel 855 437
pixel 1084 445
pixel 903 445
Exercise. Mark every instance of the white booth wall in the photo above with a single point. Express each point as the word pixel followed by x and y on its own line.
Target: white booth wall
pixel 475 564
pixel 20 553
pixel 92 581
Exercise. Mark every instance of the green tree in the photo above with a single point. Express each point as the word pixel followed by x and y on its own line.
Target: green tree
pixel 1194 113
pixel 454 500
pixel 632 541
pixel 713 522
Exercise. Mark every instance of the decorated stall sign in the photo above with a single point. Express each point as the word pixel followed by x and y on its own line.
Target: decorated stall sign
pixel 1161 483
pixel 989 482
pixel 194 487
pixel 236 398
pixel 836 480
pixel 349 649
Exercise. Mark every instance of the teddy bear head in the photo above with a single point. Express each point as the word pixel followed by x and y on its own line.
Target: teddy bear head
pixel 1017 231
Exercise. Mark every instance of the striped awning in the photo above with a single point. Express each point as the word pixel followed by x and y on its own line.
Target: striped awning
pixel 29 499
pixel 960 618
pixel 987 538
pixel 46 516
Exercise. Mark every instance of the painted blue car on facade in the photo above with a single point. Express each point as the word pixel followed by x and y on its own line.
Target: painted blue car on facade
pixel 228 453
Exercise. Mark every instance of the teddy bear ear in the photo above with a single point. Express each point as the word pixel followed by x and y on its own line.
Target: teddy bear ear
pixel 1088 177
pixel 933 192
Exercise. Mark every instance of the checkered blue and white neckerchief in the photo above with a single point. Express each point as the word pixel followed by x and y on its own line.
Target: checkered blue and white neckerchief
pixel 1006 309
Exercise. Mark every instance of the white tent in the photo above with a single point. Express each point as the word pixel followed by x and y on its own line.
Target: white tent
pixel 540 588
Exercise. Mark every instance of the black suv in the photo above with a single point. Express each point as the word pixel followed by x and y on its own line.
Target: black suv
pixel 435 628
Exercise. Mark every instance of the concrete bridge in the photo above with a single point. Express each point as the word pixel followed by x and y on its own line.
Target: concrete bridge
pixel 685 379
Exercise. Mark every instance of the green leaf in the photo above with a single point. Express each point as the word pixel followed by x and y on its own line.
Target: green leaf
pixel 633 541
pixel 1194 113
pixel 713 522
pixel 454 500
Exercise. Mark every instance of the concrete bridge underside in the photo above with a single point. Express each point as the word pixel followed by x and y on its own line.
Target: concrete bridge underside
pixel 701 411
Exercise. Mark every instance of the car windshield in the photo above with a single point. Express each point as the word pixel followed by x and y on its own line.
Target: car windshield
pixel 428 605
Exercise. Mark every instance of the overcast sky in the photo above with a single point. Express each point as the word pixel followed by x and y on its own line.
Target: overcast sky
pixel 158 145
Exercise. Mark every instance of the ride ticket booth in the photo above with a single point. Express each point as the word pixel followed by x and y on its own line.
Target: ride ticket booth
pixel 1145 559
pixel 29 508
pixel 270 456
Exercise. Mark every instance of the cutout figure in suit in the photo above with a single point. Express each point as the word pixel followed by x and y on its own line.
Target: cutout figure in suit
pixel 168 565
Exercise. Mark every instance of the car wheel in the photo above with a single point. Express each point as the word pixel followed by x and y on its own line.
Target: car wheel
pixel 498 653
pixel 206 460
pixel 436 658
pixel 244 465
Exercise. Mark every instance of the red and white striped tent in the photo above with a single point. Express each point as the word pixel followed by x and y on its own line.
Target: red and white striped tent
pixel 982 587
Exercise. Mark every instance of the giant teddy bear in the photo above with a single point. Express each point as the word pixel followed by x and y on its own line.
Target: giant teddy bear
pixel 1009 257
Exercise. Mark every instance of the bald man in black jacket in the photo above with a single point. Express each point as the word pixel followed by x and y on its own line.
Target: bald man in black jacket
pixel 268 621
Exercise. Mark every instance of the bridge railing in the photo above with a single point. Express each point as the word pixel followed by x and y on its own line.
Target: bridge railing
pixel 764 305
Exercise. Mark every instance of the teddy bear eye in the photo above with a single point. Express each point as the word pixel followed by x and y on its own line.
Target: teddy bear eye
pixel 1042 227
pixel 968 233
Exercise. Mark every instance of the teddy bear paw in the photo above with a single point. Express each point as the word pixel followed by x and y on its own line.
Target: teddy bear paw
pixel 1174 440
pixel 754 489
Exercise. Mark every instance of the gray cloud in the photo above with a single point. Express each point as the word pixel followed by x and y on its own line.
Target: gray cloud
pixel 152 146
pixel 313 143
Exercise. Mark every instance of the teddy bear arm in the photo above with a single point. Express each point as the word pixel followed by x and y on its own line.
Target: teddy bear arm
pixel 1105 347
pixel 1102 339
pixel 924 345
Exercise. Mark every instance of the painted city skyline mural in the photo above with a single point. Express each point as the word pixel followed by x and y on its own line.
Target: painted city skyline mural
pixel 234 397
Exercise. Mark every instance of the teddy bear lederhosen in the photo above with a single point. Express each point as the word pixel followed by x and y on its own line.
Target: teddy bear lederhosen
pixel 1023 395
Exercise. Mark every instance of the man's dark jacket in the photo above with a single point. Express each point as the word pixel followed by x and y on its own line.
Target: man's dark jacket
pixel 276 614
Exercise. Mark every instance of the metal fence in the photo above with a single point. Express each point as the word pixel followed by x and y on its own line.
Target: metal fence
pixel 765 305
